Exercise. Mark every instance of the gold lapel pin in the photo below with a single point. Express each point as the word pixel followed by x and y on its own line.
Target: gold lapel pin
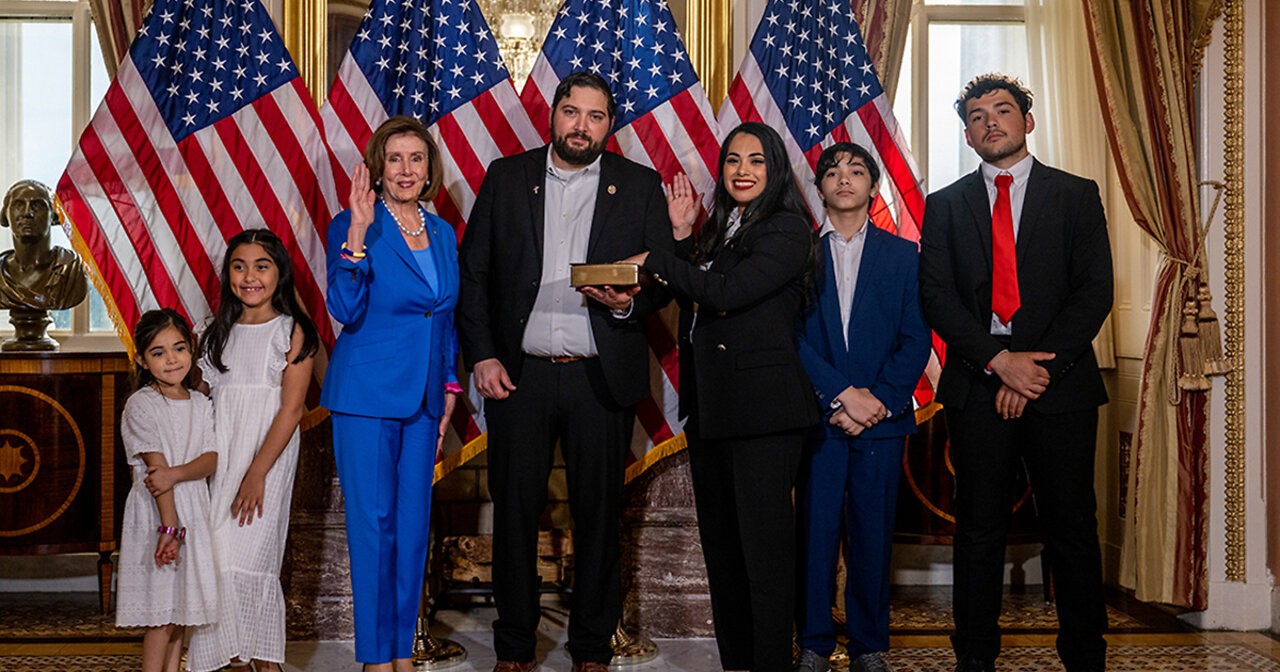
pixel 612 190
pixel 535 188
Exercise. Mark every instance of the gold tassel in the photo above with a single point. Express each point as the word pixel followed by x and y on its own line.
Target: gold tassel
pixel 1192 377
pixel 1210 336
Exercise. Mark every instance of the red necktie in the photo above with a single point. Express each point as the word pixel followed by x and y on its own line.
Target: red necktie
pixel 1004 255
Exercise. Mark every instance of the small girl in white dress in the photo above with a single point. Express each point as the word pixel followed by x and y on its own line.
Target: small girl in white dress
pixel 167 576
pixel 256 356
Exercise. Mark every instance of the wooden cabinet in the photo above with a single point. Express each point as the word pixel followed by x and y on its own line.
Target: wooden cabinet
pixel 63 477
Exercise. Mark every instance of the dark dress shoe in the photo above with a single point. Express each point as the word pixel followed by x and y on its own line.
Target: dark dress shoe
pixel 513 666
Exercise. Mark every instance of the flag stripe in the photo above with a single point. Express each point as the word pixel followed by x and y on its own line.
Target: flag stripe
pixel 697 123
pixel 131 222
pixel 84 223
pixel 149 185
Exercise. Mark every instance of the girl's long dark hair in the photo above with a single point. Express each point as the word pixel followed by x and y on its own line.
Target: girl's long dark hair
pixel 145 331
pixel 283 300
pixel 780 195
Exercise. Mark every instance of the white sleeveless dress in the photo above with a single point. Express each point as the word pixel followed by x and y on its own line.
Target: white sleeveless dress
pixel 185 592
pixel 246 397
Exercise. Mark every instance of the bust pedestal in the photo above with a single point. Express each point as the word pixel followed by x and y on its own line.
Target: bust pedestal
pixel 29 332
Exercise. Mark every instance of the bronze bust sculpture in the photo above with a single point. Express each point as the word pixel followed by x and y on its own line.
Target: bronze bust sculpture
pixel 35 276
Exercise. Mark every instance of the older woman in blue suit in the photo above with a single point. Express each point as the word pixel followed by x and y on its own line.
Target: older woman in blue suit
pixel 391 383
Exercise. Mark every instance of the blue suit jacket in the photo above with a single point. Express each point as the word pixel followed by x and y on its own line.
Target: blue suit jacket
pixel 398 347
pixel 888 339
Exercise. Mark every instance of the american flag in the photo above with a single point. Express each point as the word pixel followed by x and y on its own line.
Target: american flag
pixel 206 130
pixel 808 75
pixel 663 121
pixel 437 61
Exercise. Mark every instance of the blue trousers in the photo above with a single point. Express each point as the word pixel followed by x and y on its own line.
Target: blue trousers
pixel 856 479
pixel 385 466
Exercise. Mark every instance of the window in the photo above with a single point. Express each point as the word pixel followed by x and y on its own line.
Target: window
pixel 965 39
pixel 51 80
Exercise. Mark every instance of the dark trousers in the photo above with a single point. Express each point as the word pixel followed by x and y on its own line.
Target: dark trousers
pixel 857 480
pixel 1058 451
pixel 747 523
pixel 567 402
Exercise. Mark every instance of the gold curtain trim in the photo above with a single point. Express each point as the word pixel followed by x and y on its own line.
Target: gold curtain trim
pixel 1233 171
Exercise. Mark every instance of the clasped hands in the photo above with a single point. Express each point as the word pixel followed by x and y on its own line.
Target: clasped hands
pixel 1022 378
pixel 859 410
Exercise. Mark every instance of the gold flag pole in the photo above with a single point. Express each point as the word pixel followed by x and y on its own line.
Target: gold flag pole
pixel 708 29
pixel 305 36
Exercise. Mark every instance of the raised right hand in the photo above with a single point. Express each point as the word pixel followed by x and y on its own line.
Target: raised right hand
pixel 491 379
pixel 683 206
pixel 362 200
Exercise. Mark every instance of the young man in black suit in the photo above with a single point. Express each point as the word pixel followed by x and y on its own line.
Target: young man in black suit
pixel 555 366
pixel 1015 276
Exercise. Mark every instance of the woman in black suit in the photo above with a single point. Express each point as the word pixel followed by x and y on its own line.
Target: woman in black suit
pixel 745 394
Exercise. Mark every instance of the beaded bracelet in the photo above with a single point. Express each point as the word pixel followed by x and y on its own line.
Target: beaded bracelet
pixel 179 532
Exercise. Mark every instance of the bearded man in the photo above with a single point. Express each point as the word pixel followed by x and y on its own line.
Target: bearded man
pixel 555 366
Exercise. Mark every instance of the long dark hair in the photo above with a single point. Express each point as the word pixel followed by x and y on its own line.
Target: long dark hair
pixel 283 300
pixel 145 331
pixel 780 194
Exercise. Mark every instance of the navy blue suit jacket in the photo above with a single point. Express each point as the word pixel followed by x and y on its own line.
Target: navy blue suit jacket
pixel 888 339
pixel 398 347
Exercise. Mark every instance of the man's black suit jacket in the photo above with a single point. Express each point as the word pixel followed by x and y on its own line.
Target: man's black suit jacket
pixel 500 262
pixel 1064 280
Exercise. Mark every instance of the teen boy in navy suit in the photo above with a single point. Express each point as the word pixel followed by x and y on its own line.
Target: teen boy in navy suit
pixel 864 345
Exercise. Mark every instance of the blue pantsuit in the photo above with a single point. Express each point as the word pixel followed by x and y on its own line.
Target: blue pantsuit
pixel 386 467
pixel 385 389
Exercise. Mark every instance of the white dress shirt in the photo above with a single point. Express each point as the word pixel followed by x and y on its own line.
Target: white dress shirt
pixel 560 325
pixel 846 259
pixel 1020 172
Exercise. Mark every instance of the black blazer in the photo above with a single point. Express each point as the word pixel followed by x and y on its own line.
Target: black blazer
pixel 500 263
pixel 740 374
pixel 1064 280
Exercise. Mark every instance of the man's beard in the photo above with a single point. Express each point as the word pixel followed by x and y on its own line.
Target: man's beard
pixel 1004 151
pixel 577 157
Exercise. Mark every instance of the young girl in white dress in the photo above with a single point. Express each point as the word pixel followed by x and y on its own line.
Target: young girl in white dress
pixel 256 356
pixel 167 578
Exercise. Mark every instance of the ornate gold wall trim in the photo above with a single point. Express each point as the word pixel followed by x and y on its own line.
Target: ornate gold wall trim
pixel 707 36
pixel 306 30
pixel 1233 265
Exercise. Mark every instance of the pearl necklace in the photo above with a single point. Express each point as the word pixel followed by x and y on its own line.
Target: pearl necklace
pixel 422 219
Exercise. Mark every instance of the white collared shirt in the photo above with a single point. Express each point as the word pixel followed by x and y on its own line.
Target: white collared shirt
pixel 846 259
pixel 560 324
pixel 1021 172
